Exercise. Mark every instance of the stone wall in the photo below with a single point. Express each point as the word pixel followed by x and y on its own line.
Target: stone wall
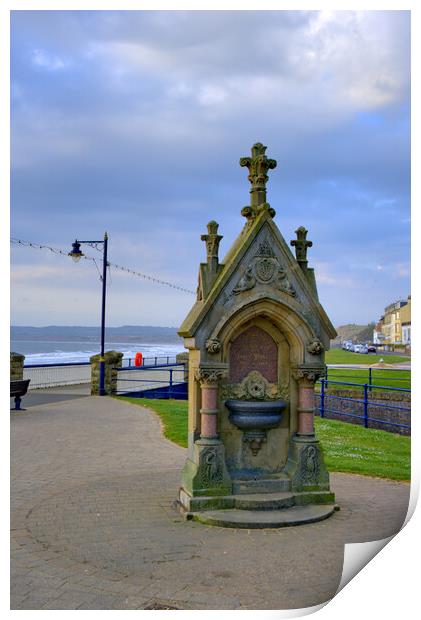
pixel 113 360
pixel 16 366
pixel 347 403
pixel 183 358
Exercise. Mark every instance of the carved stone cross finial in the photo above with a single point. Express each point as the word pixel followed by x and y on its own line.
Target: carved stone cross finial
pixel 258 165
pixel 301 244
pixel 212 240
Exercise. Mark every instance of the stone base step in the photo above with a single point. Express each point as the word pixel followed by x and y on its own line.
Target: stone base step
pixel 258 519
pixel 252 501
pixel 267 485
pixel 263 501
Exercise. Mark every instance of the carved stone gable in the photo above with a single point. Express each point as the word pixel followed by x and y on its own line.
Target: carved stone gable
pixel 264 268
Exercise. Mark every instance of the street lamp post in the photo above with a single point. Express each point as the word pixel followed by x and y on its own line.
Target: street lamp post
pixel 76 255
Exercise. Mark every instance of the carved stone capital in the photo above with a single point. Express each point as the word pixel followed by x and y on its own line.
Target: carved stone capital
pixel 315 347
pixel 209 376
pixel 309 374
pixel 213 345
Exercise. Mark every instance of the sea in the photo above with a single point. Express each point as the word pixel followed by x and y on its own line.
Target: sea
pixel 61 349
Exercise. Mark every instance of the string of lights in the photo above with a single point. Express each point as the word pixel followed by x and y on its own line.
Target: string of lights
pixel 133 272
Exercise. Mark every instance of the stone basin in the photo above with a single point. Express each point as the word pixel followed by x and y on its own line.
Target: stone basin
pixel 250 415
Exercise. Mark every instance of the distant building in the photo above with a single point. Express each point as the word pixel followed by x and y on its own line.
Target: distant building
pixel 391 324
pixel 406 322
pixel 378 336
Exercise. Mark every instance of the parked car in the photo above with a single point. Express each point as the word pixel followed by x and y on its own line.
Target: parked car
pixel 372 348
pixel 360 348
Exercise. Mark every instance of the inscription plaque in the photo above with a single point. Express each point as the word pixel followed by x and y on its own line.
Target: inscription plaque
pixel 254 349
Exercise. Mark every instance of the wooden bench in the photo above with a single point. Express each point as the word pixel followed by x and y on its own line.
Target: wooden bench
pixel 17 390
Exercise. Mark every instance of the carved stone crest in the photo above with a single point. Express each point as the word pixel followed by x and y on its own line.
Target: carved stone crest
pixel 315 347
pixel 254 386
pixel 264 268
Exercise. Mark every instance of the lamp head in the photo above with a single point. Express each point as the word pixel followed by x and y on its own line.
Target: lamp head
pixel 76 253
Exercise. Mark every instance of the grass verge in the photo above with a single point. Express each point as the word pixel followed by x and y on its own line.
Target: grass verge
pixel 347 448
pixel 357 450
pixel 173 414
pixel 339 356
pixel 380 377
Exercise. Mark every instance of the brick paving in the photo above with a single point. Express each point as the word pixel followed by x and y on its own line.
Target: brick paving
pixel 93 527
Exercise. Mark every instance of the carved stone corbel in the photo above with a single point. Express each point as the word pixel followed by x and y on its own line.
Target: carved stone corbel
pixel 309 374
pixel 208 376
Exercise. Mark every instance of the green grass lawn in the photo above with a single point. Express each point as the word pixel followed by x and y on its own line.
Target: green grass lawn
pixel 357 450
pixel 384 378
pixel 339 356
pixel 347 448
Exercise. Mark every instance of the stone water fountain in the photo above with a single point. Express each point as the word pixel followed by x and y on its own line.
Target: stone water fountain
pixel 256 338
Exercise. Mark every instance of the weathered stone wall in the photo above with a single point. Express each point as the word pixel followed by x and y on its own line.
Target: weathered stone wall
pixel 16 366
pixel 113 360
pixel 183 358
pixel 378 408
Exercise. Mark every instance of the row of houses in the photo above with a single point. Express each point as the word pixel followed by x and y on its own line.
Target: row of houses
pixel 394 327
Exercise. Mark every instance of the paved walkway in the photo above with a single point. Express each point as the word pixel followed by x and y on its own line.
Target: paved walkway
pixel 93 481
pixel 45 396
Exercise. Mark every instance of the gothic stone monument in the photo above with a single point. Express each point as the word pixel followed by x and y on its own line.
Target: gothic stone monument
pixel 256 338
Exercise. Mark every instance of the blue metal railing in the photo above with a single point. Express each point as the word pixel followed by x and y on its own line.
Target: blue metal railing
pixel 364 405
pixel 160 381
pixel 151 361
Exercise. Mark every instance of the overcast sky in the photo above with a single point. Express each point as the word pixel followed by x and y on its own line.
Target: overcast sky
pixel 134 122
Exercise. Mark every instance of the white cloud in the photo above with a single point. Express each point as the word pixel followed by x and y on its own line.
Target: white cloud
pixel 35 271
pixel 45 60
pixel 326 275
pixel 360 55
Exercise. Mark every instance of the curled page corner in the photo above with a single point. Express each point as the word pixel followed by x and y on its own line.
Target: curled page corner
pixel 299 612
pixel 358 555
pixel 413 499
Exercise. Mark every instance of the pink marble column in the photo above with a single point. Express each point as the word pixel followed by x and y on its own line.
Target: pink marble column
pixel 305 408
pixel 208 379
pixel 306 378
pixel 209 411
